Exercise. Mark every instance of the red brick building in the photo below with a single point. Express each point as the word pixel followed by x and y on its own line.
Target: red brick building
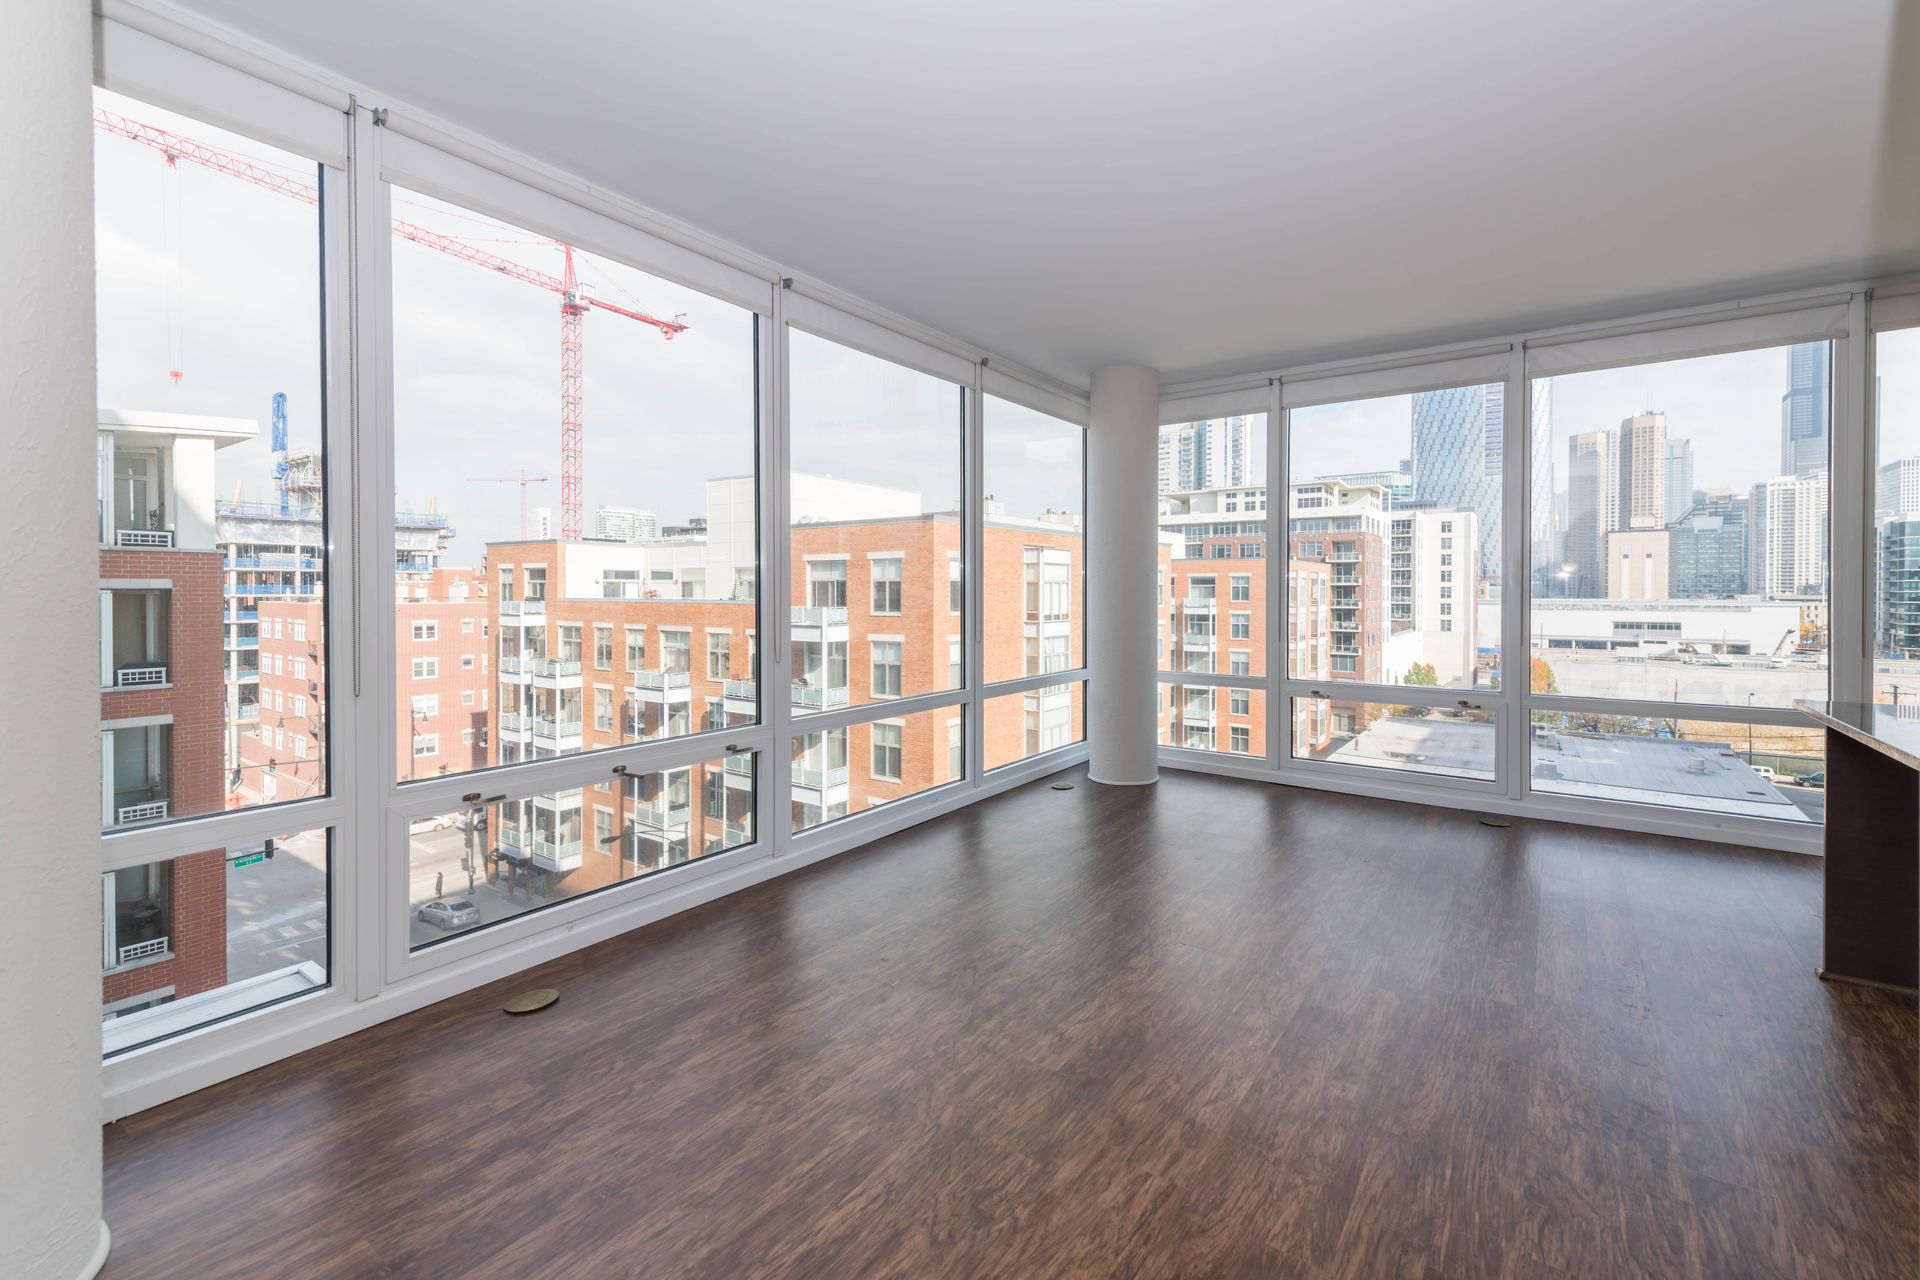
pixel 593 650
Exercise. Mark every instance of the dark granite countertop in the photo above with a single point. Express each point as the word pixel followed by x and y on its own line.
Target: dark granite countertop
pixel 1892 731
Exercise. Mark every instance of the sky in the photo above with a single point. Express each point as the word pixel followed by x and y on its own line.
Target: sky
pixel 220 280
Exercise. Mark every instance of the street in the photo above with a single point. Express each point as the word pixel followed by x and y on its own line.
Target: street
pixel 277 908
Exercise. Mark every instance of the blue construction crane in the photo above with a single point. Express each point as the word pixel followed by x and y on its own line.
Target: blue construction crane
pixel 280 465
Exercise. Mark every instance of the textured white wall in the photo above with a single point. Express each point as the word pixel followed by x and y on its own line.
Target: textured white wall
pixel 1123 456
pixel 50 1222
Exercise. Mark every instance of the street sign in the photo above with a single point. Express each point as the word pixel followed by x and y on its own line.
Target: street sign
pixel 248 859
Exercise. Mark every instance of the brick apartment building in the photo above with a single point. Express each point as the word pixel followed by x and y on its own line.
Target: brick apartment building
pixel 162 699
pixel 440 635
pixel 599 644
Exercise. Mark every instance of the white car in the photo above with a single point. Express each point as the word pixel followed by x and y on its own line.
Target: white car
pixel 1764 772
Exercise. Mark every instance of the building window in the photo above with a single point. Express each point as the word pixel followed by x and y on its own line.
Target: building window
pixel 426 668
pixel 602 648
pixel 886 584
pixel 1239 739
pixel 956 760
pixel 1241 586
pixel 426 630
pixel 886 752
pixel 827 584
pixel 956 671
pixel 718 645
pixel 426 704
pixel 956 587
pixel 636 648
pixel 886 668
pixel 1242 624
pixel 603 709
pixel 426 744
pixel 1237 702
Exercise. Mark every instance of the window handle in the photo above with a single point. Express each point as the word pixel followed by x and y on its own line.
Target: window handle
pixel 473 798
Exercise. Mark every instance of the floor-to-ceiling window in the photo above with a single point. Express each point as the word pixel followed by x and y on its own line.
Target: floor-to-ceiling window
pixel 1679 595
pixel 875 544
pixel 1212 589
pixel 213 512
pixel 1893 595
pixel 1033 571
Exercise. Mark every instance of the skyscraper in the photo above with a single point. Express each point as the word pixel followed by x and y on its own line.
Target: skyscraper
pixel 625 524
pixel 1804 411
pixel 1210 454
pixel 1593 498
pixel 1641 472
pixel 1679 478
pixel 1459 434
pixel 1787 537
pixel 1709 548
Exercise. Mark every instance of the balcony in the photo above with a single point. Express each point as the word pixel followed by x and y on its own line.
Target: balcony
pixel 739 770
pixel 663 686
pixel 661 816
pixel 1345 625
pixel 555 673
pixel 557 734
pixel 515 727
pixel 138 674
pixel 274 562
pixel 143 538
pixel 554 855
pixel 1200 641
pixel 1346 579
pixel 1343 557
pixel 248 712
pixel 807 778
pixel 1199 604
pixel 807 697
pixel 139 811
pixel 147 950
pixel 270 589
pixel 1344 650
pixel 1197 713
pixel 244 642
pixel 519 612
pixel 516 670
pixel 247 675
pixel 241 615
pixel 816 623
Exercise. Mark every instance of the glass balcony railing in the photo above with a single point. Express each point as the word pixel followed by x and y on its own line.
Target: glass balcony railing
pixel 818 779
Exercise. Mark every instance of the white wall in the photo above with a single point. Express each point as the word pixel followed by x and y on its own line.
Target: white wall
pixel 50 913
pixel 1123 452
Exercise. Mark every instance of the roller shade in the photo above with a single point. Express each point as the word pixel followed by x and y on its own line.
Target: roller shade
pixel 1254 397
pixel 1743 330
pixel 144 66
pixel 1395 378
pixel 1895 309
pixel 996 382
pixel 827 321
pixel 420 166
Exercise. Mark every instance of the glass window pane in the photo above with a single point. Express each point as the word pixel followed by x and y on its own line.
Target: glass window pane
pixel 1213 546
pixel 876 532
pixel 211 472
pixel 200 938
pixel 476 867
pixel 1035 571
pixel 1231 721
pixel 1399 497
pixel 1896 518
pixel 1455 742
pixel 1681 537
pixel 565 622
pixel 1019 725
pixel 1760 771
pixel 865 766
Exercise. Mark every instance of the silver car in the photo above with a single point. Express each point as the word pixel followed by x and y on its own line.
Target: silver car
pixel 444 914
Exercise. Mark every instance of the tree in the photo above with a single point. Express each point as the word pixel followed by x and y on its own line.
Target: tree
pixel 1543 678
pixel 1421 673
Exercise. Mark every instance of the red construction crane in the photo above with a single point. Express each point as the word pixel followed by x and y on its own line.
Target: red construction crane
pixel 523 480
pixel 575 299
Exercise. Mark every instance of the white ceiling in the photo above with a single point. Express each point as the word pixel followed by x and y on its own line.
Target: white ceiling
pixel 1205 187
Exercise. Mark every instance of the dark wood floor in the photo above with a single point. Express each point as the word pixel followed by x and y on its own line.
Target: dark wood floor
pixel 1212 1028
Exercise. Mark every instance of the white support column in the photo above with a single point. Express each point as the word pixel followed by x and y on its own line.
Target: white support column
pixel 1122 456
pixel 50 914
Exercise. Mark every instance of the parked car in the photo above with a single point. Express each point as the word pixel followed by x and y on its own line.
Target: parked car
pixel 444 914
pixel 1812 779
pixel 1765 772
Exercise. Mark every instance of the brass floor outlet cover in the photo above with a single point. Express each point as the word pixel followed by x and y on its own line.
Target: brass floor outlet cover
pixel 532 1001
